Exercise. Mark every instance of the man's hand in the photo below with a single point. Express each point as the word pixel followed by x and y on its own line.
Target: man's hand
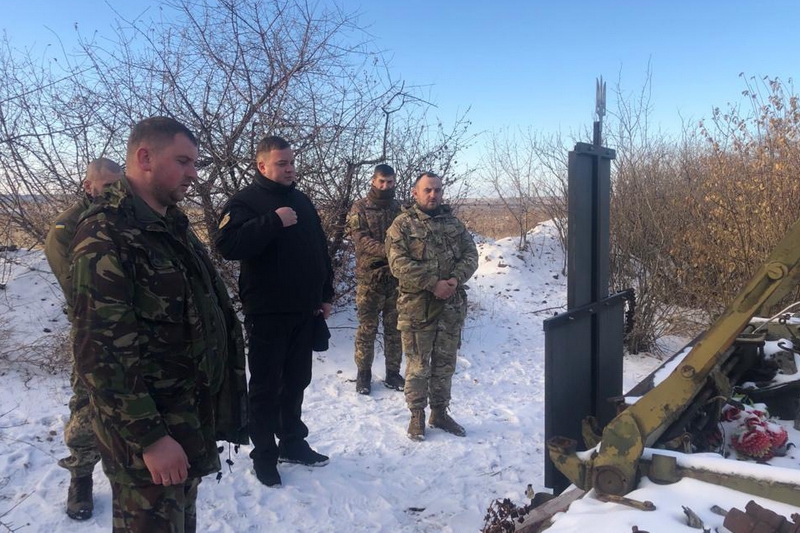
pixel 326 310
pixel 445 288
pixel 166 461
pixel 288 216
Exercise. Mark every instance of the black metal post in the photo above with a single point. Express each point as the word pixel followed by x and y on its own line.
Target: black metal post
pixel 583 347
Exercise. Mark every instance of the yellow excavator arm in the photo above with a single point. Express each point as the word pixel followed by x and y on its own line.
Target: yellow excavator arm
pixel 614 467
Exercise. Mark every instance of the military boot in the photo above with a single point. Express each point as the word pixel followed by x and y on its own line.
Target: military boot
pixel 440 419
pixel 364 382
pixel 416 428
pixel 394 381
pixel 79 498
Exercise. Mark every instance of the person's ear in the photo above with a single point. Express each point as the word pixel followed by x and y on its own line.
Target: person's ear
pixel 144 158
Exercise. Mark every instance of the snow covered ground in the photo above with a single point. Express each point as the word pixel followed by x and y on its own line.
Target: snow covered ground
pixel 377 480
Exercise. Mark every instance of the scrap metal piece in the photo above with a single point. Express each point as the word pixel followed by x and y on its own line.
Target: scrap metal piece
pixel 646 505
pixel 692 520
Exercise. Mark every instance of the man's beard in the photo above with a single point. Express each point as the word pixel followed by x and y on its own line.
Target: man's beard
pixel 430 211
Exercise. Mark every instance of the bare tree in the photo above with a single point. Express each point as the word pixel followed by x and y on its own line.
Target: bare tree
pixel 528 172
pixel 232 71
pixel 44 141
pixel 511 170
pixel 647 208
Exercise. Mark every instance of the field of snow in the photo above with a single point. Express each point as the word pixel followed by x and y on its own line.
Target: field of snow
pixel 377 480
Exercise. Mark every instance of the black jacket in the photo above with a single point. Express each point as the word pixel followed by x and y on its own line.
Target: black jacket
pixel 283 270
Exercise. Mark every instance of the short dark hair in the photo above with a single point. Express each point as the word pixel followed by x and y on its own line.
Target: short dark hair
pixel 160 130
pixel 427 174
pixel 383 170
pixel 98 165
pixel 270 143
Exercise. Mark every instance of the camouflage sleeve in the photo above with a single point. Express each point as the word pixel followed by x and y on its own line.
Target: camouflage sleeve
pixel 56 250
pixel 106 338
pixel 408 261
pixel 243 234
pixel 361 235
pixel 468 264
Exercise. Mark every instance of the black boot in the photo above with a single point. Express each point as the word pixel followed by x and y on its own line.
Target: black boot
pixel 267 473
pixel 364 382
pixel 299 452
pixel 394 381
pixel 79 498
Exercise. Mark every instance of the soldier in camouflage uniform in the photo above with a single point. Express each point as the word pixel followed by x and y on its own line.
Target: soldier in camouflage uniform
pixel 376 288
pixel 78 432
pixel 433 255
pixel 156 340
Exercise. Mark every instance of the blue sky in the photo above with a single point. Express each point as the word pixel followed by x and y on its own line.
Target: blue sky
pixel 528 63
pixel 521 63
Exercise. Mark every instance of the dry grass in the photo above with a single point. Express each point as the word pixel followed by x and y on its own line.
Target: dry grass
pixel 50 353
pixel 491 219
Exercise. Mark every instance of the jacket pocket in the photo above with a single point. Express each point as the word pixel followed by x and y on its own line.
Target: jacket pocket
pixel 453 236
pixel 418 310
pixel 160 288
pixel 417 247
pixel 166 331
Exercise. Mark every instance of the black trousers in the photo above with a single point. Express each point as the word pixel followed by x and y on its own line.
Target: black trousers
pixel 279 358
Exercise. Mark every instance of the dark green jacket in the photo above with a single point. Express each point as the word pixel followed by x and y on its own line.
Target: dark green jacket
pixel 56 245
pixel 157 341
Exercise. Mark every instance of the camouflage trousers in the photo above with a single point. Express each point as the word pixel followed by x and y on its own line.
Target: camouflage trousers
pixel 155 508
pixel 376 299
pixel 431 354
pixel 78 433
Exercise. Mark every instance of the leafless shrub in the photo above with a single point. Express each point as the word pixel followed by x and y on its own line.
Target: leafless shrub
pixel 233 72
pixel 744 192
pixel 693 220
pixel 51 353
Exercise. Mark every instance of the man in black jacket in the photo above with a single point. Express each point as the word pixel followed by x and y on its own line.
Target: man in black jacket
pixel 285 282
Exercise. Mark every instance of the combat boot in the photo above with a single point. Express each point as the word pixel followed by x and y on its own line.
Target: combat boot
pixel 394 381
pixel 364 382
pixel 416 428
pixel 440 419
pixel 79 498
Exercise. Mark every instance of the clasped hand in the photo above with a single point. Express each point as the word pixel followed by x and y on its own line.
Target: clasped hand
pixel 445 288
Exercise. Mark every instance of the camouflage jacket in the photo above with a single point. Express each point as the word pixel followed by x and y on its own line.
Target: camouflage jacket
pixel 56 245
pixel 422 250
pixel 157 342
pixel 367 223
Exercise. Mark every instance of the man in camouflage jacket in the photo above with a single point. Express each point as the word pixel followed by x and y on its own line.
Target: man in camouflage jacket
pixel 157 342
pixel 433 255
pixel 78 432
pixel 376 288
